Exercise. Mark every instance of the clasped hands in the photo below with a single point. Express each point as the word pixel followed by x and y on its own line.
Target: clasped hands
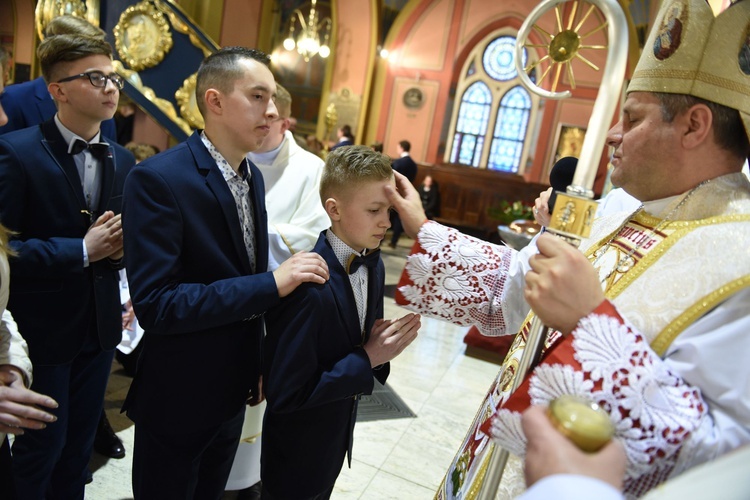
pixel 104 237
pixel 389 337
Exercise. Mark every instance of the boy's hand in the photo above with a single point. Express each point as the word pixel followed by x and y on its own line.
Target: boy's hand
pixel 300 268
pixel 104 237
pixel 389 337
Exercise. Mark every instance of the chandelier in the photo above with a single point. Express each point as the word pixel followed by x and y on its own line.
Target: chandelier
pixel 308 41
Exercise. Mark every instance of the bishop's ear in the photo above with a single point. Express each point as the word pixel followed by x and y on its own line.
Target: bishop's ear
pixel 698 121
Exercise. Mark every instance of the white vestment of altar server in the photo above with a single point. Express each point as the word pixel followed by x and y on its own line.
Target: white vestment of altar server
pixel 669 359
pixel 295 213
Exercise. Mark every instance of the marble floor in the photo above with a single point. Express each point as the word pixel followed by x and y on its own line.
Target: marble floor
pixel 398 459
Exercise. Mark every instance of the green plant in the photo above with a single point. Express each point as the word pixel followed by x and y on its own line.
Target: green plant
pixel 507 212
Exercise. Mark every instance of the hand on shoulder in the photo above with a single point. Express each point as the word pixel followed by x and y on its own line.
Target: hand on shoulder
pixel 300 268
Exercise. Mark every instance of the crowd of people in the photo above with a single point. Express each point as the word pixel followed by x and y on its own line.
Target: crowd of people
pixel 254 274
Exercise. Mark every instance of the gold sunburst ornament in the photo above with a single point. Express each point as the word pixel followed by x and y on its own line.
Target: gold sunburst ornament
pixel 566 45
pixel 142 36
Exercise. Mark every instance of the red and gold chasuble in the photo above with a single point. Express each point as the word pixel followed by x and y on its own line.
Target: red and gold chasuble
pixel 636 260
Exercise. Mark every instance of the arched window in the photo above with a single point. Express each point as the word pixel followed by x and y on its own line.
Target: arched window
pixel 510 130
pixel 473 116
pixel 490 127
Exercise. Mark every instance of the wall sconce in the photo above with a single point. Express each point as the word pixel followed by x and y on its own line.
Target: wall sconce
pixel 308 42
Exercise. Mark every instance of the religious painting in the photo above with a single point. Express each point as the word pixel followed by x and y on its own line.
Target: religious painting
pixel 669 36
pixel 569 141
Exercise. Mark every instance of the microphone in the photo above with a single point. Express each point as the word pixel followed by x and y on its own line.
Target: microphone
pixel 561 176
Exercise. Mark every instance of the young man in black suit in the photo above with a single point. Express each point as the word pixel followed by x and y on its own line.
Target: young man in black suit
pixel 61 186
pixel 197 274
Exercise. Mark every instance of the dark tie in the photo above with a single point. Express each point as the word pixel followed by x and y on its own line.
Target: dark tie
pixel 98 149
pixel 370 260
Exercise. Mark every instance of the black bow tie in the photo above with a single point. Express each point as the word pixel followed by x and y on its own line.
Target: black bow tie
pixel 98 149
pixel 370 260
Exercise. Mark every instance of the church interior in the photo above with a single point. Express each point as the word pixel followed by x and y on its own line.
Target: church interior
pixel 438 73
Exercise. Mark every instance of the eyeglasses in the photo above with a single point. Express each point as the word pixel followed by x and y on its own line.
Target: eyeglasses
pixel 98 79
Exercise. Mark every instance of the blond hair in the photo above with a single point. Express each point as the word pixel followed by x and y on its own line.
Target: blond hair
pixel 283 102
pixel 348 167
pixel 72 25
pixel 5 235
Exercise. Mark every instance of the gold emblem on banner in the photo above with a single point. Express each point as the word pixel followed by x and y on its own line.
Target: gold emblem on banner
pixel 185 97
pixel 47 10
pixel 142 36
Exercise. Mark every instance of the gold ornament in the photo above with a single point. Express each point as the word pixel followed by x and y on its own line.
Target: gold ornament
pixel 185 97
pixel 142 36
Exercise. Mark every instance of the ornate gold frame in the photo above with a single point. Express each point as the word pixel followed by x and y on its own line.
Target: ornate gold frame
pixel 185 97
pixel 142 36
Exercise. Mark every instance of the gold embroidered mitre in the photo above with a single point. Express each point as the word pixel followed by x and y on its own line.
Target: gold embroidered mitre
pixel 691 51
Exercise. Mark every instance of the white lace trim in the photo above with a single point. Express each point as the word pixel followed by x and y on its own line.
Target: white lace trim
pixel 458 279
pixel 654 411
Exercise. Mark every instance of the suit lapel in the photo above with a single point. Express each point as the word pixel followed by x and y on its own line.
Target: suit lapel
pixel 342 291
pixel 56 147
pixel 216 183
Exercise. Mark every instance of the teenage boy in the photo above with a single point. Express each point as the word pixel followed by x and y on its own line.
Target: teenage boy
pixel 326 342
pixel 199 286
pixel 61 188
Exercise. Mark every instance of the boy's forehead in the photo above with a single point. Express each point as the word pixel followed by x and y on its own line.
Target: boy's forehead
pixel 88 63
pixel 368 191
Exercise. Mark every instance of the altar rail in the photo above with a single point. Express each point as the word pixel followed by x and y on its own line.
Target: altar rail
pixel 466 193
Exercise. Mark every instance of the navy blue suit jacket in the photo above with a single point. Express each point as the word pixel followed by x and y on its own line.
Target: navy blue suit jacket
pixel 193 290
pixel 29 103
pixel 405 166
pixel 52 295
pixel 315 368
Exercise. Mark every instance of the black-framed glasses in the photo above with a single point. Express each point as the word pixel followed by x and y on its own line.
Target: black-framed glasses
pixel 98 79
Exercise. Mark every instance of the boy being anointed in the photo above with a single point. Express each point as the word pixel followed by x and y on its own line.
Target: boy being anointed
pixel 325 343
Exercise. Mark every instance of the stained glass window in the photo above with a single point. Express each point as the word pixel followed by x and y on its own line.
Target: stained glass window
pixel 499 58
pixel 473 119
pixel 493 112
pixel 510 130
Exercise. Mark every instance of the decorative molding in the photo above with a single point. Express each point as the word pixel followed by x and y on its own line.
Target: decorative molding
pixel 185 97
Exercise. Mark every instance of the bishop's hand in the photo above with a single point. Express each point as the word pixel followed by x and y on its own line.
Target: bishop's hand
pixel 562 286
